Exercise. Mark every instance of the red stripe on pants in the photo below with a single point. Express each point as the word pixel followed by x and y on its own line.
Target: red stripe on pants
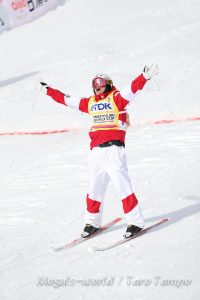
pixel 129 203
pixel 92 205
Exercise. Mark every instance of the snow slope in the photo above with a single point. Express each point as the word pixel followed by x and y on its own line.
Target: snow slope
pixel 43 178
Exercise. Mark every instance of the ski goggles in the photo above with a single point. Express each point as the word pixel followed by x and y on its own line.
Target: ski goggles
pixel 99 82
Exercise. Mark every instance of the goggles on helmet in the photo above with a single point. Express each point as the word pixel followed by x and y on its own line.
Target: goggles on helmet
pixel 99 82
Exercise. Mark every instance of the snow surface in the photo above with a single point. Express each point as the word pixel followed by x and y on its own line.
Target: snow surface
pixel 43 178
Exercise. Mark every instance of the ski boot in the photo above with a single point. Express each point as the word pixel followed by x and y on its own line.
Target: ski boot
pixel 131 231
pixel 88 230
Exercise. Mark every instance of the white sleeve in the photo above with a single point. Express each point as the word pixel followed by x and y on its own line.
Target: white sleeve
pixel 127 93
pixel 72 101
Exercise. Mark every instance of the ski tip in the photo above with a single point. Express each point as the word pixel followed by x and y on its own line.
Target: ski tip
pixel 91 249
pixel 96 249
pixel 56 249
pixel 165 219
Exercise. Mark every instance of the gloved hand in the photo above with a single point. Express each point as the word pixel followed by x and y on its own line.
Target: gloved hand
pixel 150 71
pixel 43 84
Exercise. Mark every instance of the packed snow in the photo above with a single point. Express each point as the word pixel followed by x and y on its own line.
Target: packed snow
pixel 43 178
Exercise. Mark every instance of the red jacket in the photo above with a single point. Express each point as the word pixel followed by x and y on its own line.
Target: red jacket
pixel 121 100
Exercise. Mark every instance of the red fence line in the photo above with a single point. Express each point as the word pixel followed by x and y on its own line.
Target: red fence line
pixel 43 132
pixel 173 120
pixel 36 132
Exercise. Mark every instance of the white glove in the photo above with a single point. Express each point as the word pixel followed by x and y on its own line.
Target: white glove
pixel 150 71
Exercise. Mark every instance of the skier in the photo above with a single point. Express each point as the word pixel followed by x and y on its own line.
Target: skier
pixel 107 159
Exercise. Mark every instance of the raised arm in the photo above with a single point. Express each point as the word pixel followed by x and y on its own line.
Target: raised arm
pixel 65 99
pixel 137 84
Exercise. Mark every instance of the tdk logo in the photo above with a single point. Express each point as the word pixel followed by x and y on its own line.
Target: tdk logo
pixel 101 106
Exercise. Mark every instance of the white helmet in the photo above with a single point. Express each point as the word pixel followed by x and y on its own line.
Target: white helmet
pixel 101 80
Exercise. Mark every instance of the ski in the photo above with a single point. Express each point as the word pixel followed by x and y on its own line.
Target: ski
pixel 123 241
pixel 81 240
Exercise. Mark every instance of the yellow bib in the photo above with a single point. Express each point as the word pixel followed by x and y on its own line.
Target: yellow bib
pixel 104 114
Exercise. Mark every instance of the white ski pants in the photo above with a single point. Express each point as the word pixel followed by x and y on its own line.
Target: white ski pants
pixel 109 163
